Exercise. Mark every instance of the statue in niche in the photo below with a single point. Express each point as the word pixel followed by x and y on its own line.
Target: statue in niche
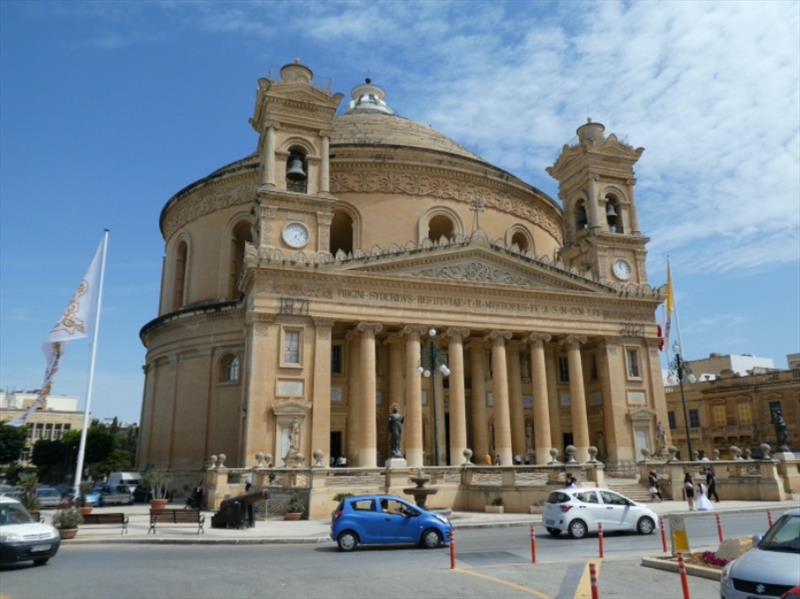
pixel 294 436
pixel 395 432
pixel 661 439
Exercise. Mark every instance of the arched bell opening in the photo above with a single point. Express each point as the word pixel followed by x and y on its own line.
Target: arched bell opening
pixel 341 232
pixel 581 220
pixel 613 214
pixel 297 170
pixel 242 233
pixel 440 226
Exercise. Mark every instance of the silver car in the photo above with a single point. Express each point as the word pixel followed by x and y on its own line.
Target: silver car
pixel 48 497
pixel 770 569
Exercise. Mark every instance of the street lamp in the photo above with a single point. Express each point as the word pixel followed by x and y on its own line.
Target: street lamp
pixel 682 369
pixel 436 361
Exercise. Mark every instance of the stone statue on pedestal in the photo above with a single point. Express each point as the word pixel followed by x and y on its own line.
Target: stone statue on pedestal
pixel 780 430
pixel 661 439
pixel 395 433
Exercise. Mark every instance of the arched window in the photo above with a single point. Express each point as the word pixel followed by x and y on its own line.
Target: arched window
pixel 179 280
pixel 440 226
pixel 229 369
pixel 297 171
pixel 581 221
pixel 520 240
pixel 241 234
pixel 341 232
pixel 613 214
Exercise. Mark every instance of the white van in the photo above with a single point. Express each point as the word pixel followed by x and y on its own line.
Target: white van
pixel 129 479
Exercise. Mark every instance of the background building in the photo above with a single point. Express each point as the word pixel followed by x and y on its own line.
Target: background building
pixel 59 415
pixel 741 364
pixel 306 287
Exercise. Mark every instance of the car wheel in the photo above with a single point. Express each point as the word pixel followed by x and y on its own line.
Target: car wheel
pixel 554 532
pixel 577 529
pixel 645 526
pixel 347 541
pixel 431 538
pixel 41 561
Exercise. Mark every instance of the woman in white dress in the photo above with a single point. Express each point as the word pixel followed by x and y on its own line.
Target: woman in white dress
pixel 702 502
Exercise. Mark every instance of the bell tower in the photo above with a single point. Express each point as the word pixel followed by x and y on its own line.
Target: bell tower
pixel 294 119
pixel 596 186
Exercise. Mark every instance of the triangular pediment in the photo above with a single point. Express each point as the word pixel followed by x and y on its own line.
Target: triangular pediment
pixel 302 92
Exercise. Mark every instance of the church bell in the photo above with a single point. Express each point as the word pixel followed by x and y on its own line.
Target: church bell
pixel 611 211
pixel 296 172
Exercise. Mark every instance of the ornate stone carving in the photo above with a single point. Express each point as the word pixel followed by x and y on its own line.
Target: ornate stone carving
pixel 473 271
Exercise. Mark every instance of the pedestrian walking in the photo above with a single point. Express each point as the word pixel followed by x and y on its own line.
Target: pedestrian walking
pixel 703 504
pixel 652 481
pixel 688 489
pixel 711 483
pixel 572 483
pixel 249 482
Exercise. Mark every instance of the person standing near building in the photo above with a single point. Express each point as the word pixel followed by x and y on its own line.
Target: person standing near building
pixel 652 481
pixel 711 483
pixel 688 489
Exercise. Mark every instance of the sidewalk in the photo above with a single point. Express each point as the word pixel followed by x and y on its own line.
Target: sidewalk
pixel 317 531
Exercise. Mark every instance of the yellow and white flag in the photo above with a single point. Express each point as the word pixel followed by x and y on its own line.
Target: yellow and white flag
pixel 670 307
pixel 75 323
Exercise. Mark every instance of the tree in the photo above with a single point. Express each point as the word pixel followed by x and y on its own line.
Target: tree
pixel 12 442
pixel 52 459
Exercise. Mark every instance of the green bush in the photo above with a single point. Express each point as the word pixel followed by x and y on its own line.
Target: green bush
pixel 69 518
pixel 296 504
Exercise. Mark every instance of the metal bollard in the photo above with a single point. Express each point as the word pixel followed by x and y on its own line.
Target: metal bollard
pixel 684 577
pixel 453 549
pixel 533 544
pixel 769 519
pixel 664 546
pixel 593 579
pixel 719 529
pixel 600 540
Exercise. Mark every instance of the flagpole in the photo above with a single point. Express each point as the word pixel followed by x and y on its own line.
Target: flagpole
pixel 90 382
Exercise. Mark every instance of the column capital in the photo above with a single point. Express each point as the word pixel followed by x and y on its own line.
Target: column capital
pixel 573 341
pixel 457 334
pixel 321 321
pixel 414 330
pixel 537 338
pixel 369 327
pixel 498 337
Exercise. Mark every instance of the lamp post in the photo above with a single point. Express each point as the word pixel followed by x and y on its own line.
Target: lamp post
pixel 681 369
pixel 436 361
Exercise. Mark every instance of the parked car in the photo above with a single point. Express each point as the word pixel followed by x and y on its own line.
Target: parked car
pixel 48 497
pixel 578 511
pixel 114 495
pixel 11 491
pixel 91 498
pixel 771 568
pixel 22 538
pixel 385 519
pixel 129 479
pixel 142 494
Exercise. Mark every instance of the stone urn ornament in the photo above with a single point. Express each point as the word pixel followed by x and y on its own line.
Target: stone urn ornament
pixel 467 453
pixel 673 453
pixel 592 454
pixel 765 451
pixel 318 457
pixel 570 450
pixel 553 455
pixel 748 453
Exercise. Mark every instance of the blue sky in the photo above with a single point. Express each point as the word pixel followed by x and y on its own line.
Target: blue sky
pixel 108 108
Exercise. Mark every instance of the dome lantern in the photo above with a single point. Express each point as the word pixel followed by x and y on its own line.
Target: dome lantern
pixel 368 97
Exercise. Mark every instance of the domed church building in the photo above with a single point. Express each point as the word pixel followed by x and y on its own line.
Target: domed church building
pixel 360 261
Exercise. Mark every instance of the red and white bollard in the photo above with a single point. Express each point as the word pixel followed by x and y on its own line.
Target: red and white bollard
pixel 719 529
pixel 684 577
pixel 453 549
pixel 601 540
pixel 533 544
pixel 593 579
pixel 663 536
pixel 769 519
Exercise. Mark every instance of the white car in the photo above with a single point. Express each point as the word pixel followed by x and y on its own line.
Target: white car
pixel 578 511
pixel 22 538
pixel 771 568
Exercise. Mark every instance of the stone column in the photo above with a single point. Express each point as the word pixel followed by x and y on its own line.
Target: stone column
pixel 396 392
pixel 515 399
pixel 480 440
pixel 502 416
pixel 634 215
pixel 412 435
pixel 554 393
pixel 594 206
pixel 580 420
pixel 268 161
pixel 321 390
pixel 458 414
pixel 439 434
pixel 541 407
pixel 367 446
pixel 324 170
pixel 353 396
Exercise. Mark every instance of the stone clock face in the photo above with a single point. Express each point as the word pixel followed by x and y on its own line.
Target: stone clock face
pixel 622 270
pixel 295 235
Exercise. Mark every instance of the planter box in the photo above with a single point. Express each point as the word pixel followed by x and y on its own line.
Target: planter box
pixel 158 504
pixel 67 533
pixel 293 516
pixel 494 509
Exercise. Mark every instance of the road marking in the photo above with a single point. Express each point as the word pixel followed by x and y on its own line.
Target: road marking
pixel 523 589
pixel 584 590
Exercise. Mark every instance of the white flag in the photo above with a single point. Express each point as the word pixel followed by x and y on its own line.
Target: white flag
pixel 75 323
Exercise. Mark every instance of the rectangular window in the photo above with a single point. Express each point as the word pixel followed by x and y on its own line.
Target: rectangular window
pixel 563 369
pixel 291 347
pixel 745 414
pixel 337 365
pixel 673 424
pixel 632 355
pixel 694 419
pixel 720 419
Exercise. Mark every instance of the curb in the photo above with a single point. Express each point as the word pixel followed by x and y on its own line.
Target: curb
pixel 260 541
pixel 661 563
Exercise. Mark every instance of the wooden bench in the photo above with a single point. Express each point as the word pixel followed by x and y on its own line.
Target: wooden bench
pixel 176 517
pixel 111 518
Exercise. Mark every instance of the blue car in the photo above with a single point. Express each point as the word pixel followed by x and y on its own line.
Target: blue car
pixel 384 520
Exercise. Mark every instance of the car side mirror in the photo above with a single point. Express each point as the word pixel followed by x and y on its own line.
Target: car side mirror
pixel 756 540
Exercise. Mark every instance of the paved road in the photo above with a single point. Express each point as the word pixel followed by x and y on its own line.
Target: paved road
pixel 492 563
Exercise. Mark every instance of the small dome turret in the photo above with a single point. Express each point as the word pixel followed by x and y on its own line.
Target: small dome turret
pixel 368 98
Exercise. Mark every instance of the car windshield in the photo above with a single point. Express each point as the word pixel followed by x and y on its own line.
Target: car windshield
pixel 784 536
pixel 13 513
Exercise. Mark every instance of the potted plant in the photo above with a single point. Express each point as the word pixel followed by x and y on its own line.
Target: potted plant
pixel 83 507
pixel 157 481
pixel 67 521
pixel 28 482
pixel 295 508
pixel 496 507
